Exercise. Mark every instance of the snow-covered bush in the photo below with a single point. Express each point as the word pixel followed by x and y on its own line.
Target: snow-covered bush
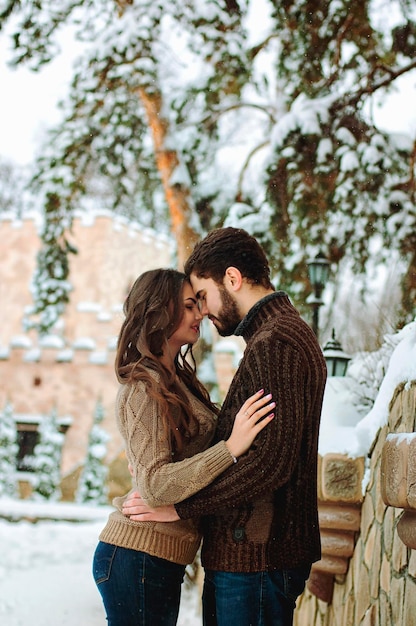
pixel 8 452
pixel 93 481
pixel 46 460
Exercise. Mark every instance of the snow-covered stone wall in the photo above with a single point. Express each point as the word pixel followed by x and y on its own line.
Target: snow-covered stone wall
pixel 378 587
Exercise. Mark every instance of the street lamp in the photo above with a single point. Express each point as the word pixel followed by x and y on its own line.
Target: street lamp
pixel 318 269
pixel 336 359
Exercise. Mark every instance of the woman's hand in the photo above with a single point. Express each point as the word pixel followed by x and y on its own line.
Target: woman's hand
pixel 247 425
pixel 137 510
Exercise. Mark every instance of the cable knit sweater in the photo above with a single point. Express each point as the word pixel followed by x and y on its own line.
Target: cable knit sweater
pixel 161 480
pixel 261 513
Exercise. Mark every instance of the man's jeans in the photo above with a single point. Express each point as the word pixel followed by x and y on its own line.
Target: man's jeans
pixel 254 599
pixel 137 589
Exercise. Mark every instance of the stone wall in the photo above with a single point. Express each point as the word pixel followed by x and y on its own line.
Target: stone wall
pixel 379 585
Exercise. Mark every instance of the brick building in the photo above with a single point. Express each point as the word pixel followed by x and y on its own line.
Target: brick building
pixel 71 369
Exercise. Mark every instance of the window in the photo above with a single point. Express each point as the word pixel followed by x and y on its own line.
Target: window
pixel 27 438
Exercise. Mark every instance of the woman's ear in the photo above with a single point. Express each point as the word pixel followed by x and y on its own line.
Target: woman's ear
pixel 233 278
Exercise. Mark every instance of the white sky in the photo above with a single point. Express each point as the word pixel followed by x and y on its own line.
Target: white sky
pixel 29 100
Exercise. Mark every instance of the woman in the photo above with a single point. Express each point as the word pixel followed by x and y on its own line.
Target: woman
pixel 167 422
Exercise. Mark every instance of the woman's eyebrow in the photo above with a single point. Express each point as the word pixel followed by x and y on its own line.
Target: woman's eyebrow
pixel 191 299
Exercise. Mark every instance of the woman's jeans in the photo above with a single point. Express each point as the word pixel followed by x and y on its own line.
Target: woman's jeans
pixel 137 589
pixel 252 599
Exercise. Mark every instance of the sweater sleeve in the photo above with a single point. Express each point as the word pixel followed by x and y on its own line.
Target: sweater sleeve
pixel 269 462
pixel 159 480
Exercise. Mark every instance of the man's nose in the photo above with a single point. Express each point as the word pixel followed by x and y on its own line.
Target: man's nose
pixel 203 309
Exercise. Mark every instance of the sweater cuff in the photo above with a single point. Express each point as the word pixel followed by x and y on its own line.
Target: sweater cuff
pixel 218 458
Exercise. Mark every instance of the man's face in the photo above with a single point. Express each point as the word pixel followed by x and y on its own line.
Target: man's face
pixel 218 304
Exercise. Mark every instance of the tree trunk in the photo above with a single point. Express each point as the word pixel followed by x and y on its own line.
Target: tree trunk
pixel 177 194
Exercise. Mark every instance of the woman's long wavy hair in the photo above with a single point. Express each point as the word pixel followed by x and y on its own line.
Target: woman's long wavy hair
pixel 153 311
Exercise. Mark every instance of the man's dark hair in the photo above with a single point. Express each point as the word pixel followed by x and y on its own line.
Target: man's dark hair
pixel 226 247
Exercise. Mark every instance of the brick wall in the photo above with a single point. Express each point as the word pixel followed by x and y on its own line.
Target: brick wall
pixel 73 368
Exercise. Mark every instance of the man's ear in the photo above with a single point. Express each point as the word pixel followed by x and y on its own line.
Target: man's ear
pixel 233 278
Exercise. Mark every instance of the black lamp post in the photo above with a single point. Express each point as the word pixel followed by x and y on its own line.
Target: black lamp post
pixel 336 359
pixel 318 269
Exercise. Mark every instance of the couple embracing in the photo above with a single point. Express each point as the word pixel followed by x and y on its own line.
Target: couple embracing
pixel 242 477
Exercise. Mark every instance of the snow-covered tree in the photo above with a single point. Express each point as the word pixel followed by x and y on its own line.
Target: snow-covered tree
pixel 8 452
pixel 46 461
pixel 92 485
pixel 249 112
pixel 13 181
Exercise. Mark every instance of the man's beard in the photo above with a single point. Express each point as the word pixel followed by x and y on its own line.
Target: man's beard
pixel 228 317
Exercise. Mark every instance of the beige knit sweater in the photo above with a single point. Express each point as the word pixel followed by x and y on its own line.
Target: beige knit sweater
pixel 159 479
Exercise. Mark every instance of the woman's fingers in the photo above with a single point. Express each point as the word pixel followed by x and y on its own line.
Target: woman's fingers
pixel 132 501
pixel 257 407
pixel 262 411
pixel 137 507
pixel 256 397
pixel 261 423
pixel 258 414
pixel 144 513
pixel 133 507
pixel 256 401
pixel 253 416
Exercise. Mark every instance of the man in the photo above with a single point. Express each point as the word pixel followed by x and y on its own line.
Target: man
pixel 260 517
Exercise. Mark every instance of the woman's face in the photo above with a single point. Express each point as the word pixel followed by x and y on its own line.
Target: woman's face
pixel 188 330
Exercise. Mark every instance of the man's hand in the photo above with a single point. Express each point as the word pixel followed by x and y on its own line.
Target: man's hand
pixel 138 511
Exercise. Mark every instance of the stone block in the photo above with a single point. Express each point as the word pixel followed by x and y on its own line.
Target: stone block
pixel 331 565
pixel 397 591
pixel 412 564
pixel 362 597
pixel 395 470
pixel 342 478
pixel 338 544
pixel 372 540
pixel 406 529
pixel 411 474
pixel 385 579
pixel 400 551
pixel 370 618
pixel 321 585
pixel 409 604
pixel 339 517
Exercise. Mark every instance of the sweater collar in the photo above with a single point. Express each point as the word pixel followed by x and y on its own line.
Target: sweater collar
pixel 260 312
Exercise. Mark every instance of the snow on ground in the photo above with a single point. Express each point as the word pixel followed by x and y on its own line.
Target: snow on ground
pixel 45 568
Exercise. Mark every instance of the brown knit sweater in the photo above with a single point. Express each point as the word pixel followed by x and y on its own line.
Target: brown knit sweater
pixel 160 480
pixel 261 513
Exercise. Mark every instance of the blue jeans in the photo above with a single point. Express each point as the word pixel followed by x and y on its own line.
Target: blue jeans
pixel 137 589
pixel 252 599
